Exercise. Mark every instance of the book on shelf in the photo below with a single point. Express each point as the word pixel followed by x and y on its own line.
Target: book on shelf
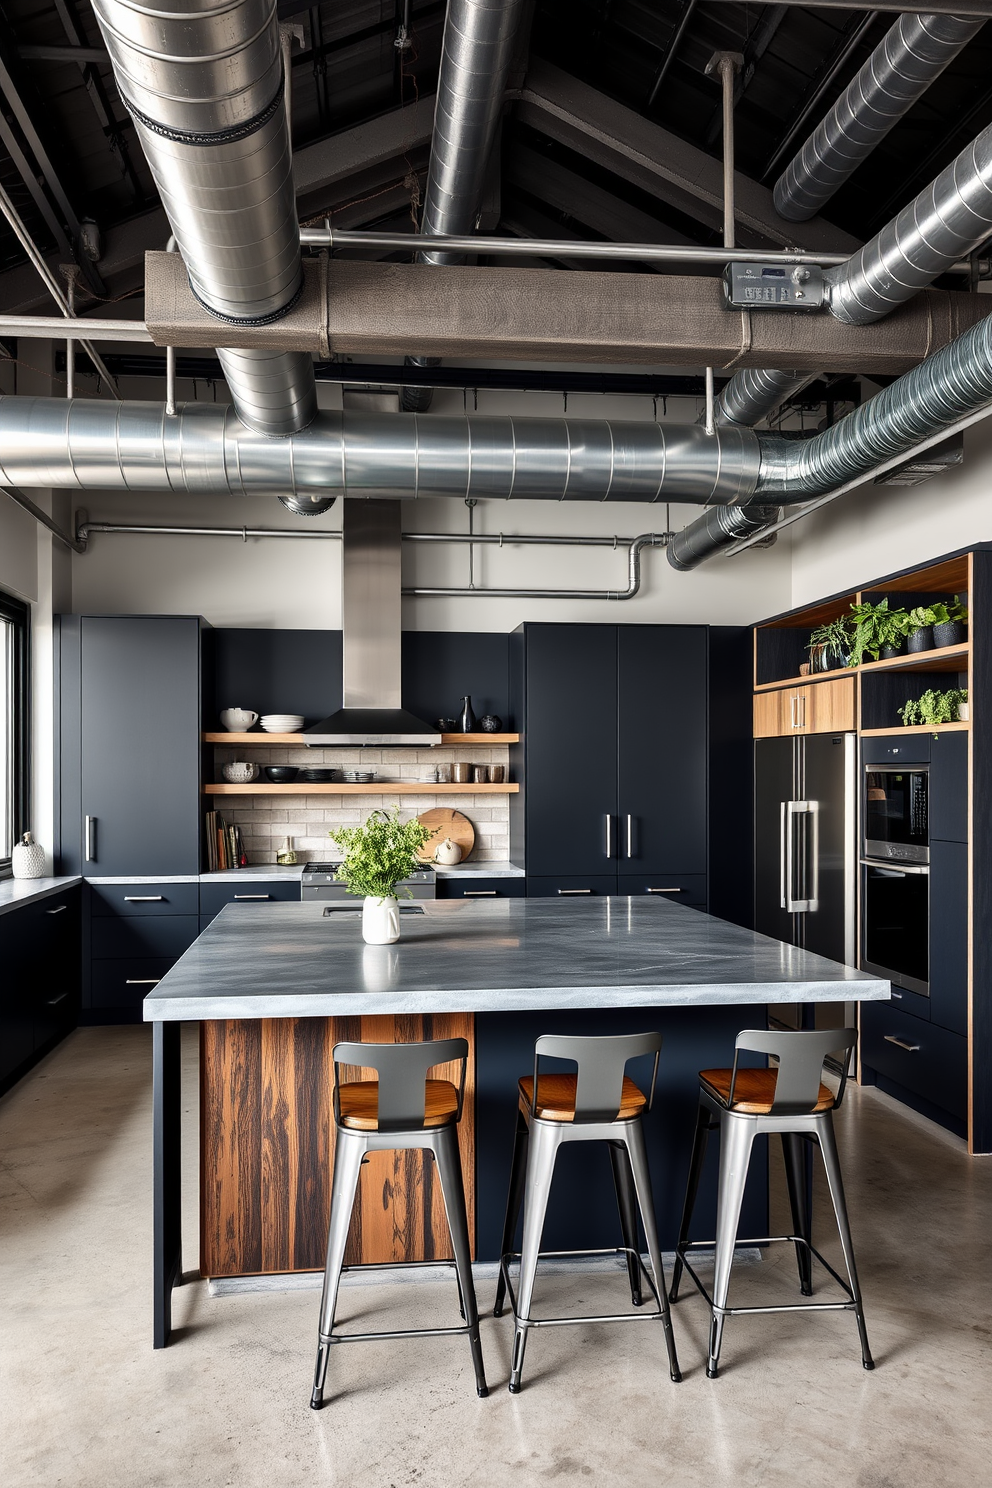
pixel 225 844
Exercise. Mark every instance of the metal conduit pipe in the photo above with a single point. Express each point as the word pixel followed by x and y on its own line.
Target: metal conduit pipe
pixel 634 550
pixel 755 392
pixel 908 59
pixel 475 56
pixel 204 85
pixel 205 448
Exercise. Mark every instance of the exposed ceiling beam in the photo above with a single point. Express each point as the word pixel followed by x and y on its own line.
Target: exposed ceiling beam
pixel 367 148
pixel 642 152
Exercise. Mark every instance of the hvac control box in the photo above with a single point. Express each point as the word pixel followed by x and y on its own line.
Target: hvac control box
pixel 758 286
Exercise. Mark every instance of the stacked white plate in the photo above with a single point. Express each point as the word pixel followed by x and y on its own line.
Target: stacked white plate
pixel 282 723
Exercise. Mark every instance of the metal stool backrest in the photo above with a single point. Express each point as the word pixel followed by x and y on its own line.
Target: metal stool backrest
pixel 402 1071
pixel 602 1063
pixel 800 1057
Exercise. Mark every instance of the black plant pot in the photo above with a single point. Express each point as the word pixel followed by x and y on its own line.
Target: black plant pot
pixel 889 652
pixel 921 640
pixel 951 633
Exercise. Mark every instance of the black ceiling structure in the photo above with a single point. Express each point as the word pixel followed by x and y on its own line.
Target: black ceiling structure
pixel 598 88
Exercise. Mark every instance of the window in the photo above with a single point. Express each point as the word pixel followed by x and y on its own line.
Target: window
pixel 13 726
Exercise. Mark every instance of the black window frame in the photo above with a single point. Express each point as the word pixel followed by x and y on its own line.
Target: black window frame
pixel 19 614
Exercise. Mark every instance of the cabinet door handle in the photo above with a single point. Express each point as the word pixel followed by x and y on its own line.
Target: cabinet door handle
pixel 609 835
pixel 792 704
pixel 802 710
pixel 480 894
pixel 630 836
pixel 662 891
pixel 58 909
pixel 575 891
pixel 54 1001
pixel 90 847
pixel 896 995
pixel 142 981
pixel 253 896
pixel 890 1038
pixel 144 898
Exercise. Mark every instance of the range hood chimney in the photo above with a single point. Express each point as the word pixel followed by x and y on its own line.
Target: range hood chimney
pixel 372 712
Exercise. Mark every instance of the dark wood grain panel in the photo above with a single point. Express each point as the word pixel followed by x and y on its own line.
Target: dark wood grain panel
pixel 268 1143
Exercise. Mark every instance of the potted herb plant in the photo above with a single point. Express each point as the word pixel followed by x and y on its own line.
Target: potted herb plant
pixel 949 623
pixel 920 622
pixel 830 645
pixel 877 631
pixel 934 707
pixel 378 855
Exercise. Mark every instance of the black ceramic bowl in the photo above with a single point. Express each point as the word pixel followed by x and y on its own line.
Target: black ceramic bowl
pixel 318 775
pixel 281 774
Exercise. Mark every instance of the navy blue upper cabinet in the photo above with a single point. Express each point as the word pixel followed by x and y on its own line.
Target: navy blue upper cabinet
pixel 130 691
pixel 570 713
pixel 662 748
pixel 949 788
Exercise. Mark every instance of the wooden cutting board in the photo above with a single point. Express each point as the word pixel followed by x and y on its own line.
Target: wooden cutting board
pixel 443 822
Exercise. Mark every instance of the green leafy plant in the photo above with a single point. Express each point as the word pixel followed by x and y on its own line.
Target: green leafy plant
pixel 933 707
pixel 832 642
pixel 923 615
pixel 379 853
pixel 875 626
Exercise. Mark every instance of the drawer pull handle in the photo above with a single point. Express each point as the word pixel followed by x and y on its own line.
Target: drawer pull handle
pixel 142 981
pixel 575 891
pixel 54 1001
pixel 144 898
pixel 662 891
pixel 253 896
pixel 890 1038
pixel 58 909
pixel 479 894
pixel 896 995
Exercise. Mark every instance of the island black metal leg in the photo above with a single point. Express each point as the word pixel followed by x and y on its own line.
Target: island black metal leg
pixel 167 1221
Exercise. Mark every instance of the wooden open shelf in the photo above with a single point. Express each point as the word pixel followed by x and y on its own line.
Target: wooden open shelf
pixel 373 788
pixel 939 659
pixel 261 737
pixel 916 728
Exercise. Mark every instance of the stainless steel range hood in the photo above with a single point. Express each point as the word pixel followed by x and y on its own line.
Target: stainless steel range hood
pixel 372 713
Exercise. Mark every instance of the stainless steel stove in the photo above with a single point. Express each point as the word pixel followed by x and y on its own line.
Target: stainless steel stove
pixel 318 882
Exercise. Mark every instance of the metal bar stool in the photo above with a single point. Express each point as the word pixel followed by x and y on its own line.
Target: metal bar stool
pixel 404 1109
pixel 599 1103
pixel 744 1104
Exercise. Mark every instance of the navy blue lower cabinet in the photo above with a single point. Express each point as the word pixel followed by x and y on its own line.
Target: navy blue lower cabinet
pixel 142 935
pixel 680 888
pixel 582 1212
pixel 949 788
pixel 144 899
pixel 39 980
pixel 478 887
pixel 575 887
pixel 213 896
pixel 916 1057
pixel 125 984
pixel 909 1002
pixel 949 934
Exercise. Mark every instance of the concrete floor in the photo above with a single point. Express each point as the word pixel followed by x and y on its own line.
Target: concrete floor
pixel 84 1400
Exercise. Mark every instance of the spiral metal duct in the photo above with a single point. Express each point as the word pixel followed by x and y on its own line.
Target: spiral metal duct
pixel 755 392
pixel 204 448
pixel 202 80
pixel 720 527
pixel 900 69
pixel 475 55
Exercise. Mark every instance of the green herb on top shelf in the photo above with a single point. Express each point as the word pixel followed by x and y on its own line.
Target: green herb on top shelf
pixel 379 854
pixel 830 645
pixel 934 707
pixel 937 624
pixel 877 631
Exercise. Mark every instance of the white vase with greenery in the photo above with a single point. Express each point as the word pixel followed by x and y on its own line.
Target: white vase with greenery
pixel 378 855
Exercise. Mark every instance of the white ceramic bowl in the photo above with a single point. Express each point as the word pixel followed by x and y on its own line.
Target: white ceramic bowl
pixel 238 720
pixel 239 772
pixel 282 723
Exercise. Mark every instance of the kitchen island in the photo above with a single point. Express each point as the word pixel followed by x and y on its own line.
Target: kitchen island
pixel 274 987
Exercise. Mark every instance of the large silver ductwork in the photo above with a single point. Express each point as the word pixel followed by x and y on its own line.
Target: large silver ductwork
pixel 900 69
pixel 475 56
pixel 755 392
pixel 719 528
pixel 204 448
pixel 203 82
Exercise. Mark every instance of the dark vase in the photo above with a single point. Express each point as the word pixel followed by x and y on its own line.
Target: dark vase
pixel 921 640
pixel 445 725
pixel 951 633
pixel 466 721
pixel 889 652
pixel 490 724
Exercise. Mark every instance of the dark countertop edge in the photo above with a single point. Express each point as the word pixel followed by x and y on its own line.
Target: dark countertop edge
pixel 540 999
pixel 46 886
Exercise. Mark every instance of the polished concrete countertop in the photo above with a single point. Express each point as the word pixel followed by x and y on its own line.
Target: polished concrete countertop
pixel 278 872
pixel 456 955
pixel 15 892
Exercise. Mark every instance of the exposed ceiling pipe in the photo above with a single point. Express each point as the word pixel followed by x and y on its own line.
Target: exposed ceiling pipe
pixel 475 56
pixel 204 87
pixel 755 392
pixel 923 406
pixel 908 59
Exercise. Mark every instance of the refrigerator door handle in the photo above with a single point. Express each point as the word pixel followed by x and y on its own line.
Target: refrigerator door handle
pixel 784 856
pixel 792 812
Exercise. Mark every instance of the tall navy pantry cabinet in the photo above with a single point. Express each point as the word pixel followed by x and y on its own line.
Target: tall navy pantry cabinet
pixel 615 761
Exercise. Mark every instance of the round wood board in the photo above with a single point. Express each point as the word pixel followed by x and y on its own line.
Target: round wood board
pixel 444 822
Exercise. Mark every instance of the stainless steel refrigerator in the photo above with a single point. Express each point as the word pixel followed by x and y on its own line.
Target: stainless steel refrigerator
pixel 805 854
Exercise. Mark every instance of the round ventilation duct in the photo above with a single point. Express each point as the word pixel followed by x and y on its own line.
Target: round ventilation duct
pixel 303 505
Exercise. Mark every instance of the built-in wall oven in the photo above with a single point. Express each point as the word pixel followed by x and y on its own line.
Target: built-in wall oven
pixel 895 867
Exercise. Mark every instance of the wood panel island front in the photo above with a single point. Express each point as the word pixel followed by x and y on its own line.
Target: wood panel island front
pixel 274 987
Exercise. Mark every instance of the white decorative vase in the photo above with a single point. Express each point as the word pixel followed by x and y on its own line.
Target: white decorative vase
pixel 380 920
pixel 964 713
pixel 27 860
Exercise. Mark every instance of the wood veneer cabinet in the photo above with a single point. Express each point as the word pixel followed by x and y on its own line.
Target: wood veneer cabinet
pixel 814 708
pixel 267 1148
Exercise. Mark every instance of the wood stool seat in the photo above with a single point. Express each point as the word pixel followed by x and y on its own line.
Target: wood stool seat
pixel 556 1097
pixel 754 1090
pixel 359 1103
